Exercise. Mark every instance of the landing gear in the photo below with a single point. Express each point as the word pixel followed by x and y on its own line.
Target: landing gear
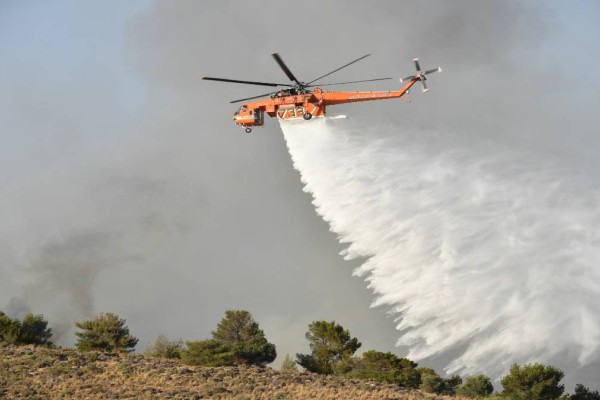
pixel 248 130
pixel 307 116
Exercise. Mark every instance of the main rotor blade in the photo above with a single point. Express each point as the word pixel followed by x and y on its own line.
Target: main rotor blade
pixel 343 83
pixel 417 66
pixel 431 71
pixel 245 82
pixel 285 68
pixel 252 98
pixel 336 70
pixel 408 78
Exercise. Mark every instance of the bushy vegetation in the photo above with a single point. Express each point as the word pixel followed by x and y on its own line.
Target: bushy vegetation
pixel 386 367
pixel 584 393
pixel 106 332
pixel 476 386
pixel 165 348
pixel 431 382
pixel 208 353
pixel 237 340
pixel 40 373
pixel 32 330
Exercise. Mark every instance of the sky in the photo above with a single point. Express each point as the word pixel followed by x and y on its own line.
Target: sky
pixel 126 187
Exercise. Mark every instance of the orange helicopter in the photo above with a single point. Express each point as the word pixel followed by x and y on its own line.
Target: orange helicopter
pixel 303 101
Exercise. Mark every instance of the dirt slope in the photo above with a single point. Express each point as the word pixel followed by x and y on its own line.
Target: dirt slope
pixel 40 373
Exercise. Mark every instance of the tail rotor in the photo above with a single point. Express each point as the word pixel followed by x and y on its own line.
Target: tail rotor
pixel 421 75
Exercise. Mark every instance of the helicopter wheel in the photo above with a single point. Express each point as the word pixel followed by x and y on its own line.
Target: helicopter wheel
pixel 248 130
pixel 307 116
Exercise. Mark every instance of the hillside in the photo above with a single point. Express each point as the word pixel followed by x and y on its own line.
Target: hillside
pixel 41 373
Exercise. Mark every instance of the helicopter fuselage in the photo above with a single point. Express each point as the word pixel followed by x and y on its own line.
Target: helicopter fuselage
pixel 290 105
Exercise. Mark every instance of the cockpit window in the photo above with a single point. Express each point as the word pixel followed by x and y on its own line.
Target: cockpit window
pixel 243 108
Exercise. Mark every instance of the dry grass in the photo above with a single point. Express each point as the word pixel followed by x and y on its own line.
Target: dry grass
pixel 41 373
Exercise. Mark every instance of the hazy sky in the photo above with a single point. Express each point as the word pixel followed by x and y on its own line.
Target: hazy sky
pixel 126 187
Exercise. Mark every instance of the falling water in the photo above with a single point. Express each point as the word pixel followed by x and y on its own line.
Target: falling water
pixel 482 251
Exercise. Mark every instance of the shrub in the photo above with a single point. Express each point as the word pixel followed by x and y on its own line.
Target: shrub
pixel 208 353
pixel 105 332
pixel 386 367
pixel 165 348
pixel 431 382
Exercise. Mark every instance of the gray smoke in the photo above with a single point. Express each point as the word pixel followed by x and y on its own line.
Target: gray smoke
pixel 150 210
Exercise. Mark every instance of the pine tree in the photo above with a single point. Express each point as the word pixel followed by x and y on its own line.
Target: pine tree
pixel 584 393
pixel 34 330
pixel 476 386
pixel 237 340
pixel 431 382
pixel 105 332
pixel 533 382
pixel 248 341
pixel 330 344
pixel 9 329
pixel 288 366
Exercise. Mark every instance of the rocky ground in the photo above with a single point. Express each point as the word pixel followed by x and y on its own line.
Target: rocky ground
pixel 41 373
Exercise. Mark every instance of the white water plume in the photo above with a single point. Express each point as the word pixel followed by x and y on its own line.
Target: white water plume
pixel 484 252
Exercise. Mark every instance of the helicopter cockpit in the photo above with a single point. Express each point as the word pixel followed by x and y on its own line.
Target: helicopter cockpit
pixel 243 108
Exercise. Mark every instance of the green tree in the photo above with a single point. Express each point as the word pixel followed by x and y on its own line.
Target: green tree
pixel 330 343
pixel 288 366
pixel 387 367
pixel 209 353
pixel 105 332
pixel 345 365
pixel 248 341
pixel 584 393
pixel 451 384
pixel 164 348
pixel 409 376
pixel 431 382
pixel 237 340
pixel 32 330
pixel 533 382
pixel 9 329
pixel 476 386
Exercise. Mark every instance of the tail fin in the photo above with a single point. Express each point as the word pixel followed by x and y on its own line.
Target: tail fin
pixel 421 75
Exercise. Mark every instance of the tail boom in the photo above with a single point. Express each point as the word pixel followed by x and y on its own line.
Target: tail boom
pixel 333 98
